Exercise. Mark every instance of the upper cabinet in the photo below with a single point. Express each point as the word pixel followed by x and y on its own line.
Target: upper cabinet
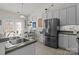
pixel 66 15
pixel 71 15
pixel 63 17
pixel 77 14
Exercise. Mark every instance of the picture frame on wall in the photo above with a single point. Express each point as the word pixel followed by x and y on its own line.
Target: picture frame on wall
pixel 40 22
pixel 33 24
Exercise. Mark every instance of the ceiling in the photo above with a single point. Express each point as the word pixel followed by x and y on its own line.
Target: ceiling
pixel 28 8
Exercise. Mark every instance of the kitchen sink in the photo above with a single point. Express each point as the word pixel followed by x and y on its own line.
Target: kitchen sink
pixel 13 41
pixel 19 40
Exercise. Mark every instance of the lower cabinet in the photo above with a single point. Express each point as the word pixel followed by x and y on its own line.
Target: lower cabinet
pixel 73 44
pixel 63 41
pixel 68 42
pixel 26 50
pixel 2 48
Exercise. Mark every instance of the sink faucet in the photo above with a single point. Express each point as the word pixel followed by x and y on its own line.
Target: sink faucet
pixel 10 33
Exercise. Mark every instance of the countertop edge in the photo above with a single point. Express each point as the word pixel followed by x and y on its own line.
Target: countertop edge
pixel 3 40
pixel 11 50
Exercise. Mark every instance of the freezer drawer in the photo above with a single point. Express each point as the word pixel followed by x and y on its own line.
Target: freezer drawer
pixel 54 42
pixel 51 41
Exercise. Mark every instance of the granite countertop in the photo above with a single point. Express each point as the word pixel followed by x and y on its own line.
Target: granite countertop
pixel 20 45
pixel 67 32
pixel 3 39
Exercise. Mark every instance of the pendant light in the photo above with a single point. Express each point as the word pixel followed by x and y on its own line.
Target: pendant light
pixel 21 14
pixel 47 10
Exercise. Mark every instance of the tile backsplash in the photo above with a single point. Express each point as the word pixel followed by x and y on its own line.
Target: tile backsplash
pixel 69 28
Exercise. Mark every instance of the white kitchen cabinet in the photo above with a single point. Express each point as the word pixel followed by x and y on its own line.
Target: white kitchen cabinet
pixel 68 42
pixel 73 44
pixel 2 48
pixel 77 14
pixel 63 17
pixel 71 16
pixel 26 50
pixel 63 41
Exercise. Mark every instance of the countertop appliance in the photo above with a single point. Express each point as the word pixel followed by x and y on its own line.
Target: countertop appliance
pixel 51 32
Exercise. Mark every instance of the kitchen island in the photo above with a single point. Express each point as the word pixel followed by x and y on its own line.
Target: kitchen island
pixel 2 45
pixel 17 46
pixel 24 48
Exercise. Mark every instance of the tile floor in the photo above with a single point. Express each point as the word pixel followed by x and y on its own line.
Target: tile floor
pixel 41 49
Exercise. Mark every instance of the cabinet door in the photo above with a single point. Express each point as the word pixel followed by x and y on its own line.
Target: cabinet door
pixel 71 15
pixel 63 41
pixel 2 48
pixel 77 14
pixel 63 17
pixel 73 44
pixel 26 50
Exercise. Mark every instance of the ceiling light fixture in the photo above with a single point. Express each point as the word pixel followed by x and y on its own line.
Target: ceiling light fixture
pixel 22 16
pixel 21 13
pixel 47 9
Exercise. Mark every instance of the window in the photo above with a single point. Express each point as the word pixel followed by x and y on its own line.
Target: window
pixel 12 29
pixel 18 28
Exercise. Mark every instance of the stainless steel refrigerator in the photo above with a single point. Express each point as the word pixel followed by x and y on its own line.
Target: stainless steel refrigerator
pixel 51 32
